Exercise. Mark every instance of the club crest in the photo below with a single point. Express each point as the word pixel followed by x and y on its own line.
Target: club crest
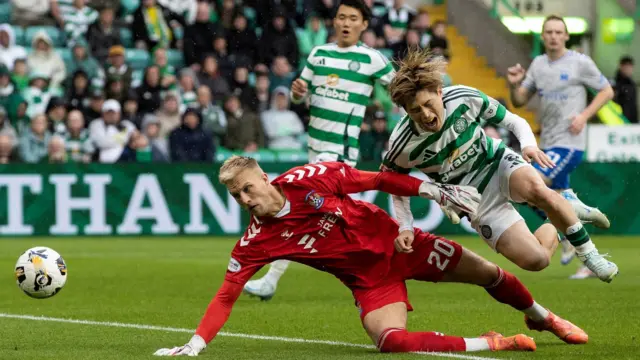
pixel 314 199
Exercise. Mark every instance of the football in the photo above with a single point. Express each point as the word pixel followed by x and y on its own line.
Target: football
pixel 41 272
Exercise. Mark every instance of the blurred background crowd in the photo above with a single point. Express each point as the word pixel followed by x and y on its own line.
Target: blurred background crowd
pixel 178 80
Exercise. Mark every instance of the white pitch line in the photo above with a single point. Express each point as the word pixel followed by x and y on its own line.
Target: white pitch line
pixel 223 333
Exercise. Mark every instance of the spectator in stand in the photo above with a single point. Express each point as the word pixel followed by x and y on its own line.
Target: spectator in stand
pixel 314 34
pixel 20 74
pixel 240 84
pixel 376 24
pixel 281 73
pixel 7 87
pixel 17 113
pixel 77 142
pixel 188 85
pixel 37 95
pixel 186 9
pixel 130 111
pixel 115 89
pixel 159 145
pixel 369 39
pixel 242 41
pixel 94 110
pixel 244 129
pixel 198 37
pixel 262 99
pixel 422 24
pixel 210 76
pixel 56 152
pixel 397 20
pixel 438 42
pixel 6 130
pixel 168 78
pixel 626 93
pixel 77 94
pixel 82 59
pixel 30 12
pixel 77 20
pixel 169 114
pixel 6 149
pixel 149 92
pixel 214 120
pixel 116 65
pixel 103 34
pixel 282 127
pixel 221 52
pixel 57 115
pixel 269 9
pixel 137 150
pixel 9 51
pixel 153 25
pixel 34 141
pixel 110 134
pixel 45 59
pixel 278 39
pixel 374 138
pixel 227 9
pixel 189 142
pixel 411 40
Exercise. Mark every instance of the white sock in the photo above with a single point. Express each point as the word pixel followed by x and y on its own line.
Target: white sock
pixel 585 248
pixel 276 270
pixel 566 245
pixel 476 344
pixel 536 312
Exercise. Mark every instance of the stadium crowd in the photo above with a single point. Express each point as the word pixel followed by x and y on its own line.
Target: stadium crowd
pixel 177 80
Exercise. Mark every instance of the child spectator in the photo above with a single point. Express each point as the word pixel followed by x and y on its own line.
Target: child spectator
pixel 34 141
pixel 20 74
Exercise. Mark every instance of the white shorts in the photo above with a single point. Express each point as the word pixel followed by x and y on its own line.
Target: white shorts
pixel 315 157
pixel 496 213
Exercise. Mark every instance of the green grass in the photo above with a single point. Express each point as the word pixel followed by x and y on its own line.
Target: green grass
pixel 169 282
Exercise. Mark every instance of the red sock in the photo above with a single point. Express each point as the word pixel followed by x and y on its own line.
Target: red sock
pixel 509 290
pixel 400 340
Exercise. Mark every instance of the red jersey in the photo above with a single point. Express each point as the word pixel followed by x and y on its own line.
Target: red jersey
pixel 321 226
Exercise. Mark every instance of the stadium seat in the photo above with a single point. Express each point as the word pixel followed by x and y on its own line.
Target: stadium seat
pixel 66 55
pixel 54 33
pixel 19 34
pixel 128 7
pixel 387 52
pixel 136 78
pixel 127 38
pixel 179 33
pixel 263 155
pixel 137 58
pixel 222 154
pixel 5 12
pixel 292 156
pixel 175 58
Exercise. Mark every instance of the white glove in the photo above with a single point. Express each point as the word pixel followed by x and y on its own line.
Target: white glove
pixel 192 348
pixel 454 200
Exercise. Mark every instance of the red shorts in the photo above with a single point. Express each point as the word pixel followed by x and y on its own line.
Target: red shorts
pixel 432 256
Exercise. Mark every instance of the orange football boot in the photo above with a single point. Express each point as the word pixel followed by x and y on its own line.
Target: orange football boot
pixel 520 342
pixel 560 327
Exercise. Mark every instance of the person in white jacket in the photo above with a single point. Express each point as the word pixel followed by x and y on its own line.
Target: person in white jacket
pixel 46 60
pixel 109 134
pixel 283 128
pixel 9 51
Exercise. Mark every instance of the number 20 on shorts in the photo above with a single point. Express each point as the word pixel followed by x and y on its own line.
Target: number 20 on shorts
pixel 441 248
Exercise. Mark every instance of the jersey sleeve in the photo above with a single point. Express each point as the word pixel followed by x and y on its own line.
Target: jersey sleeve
pixel 386 72
pixel 309 68
pixel 590 75
pixel 529 81
pixel 246 258
pixel 486 108
pixel 396 142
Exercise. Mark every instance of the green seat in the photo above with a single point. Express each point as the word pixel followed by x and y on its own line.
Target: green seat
pixel 175 58
pixel 297 156
pixel 223 154
pixel 5 12
pixel 66 55
pixel 179 33
pixel 136 78
pixel 387 52
pixel 18 32
pixel 57 37
pixel 129 6
pixel 137 58
pixel 262 155
pixel 127 38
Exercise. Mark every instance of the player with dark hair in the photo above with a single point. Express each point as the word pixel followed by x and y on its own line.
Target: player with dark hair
pixel 305 215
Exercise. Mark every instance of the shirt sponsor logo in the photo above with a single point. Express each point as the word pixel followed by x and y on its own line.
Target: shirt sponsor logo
pixel 234 265
pixel 332 93
pixel 333 79
pixel 458 161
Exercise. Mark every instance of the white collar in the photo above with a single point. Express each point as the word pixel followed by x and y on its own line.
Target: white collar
pixel 286 209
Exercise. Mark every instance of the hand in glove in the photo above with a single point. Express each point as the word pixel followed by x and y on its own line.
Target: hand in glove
pixel 454 200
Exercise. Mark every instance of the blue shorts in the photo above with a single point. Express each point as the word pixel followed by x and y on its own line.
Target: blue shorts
pixel 566 161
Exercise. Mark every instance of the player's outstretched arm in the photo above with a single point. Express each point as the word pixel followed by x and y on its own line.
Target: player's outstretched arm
pixel 214 318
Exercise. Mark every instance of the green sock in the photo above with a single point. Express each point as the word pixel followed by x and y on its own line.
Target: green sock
pixel 577 235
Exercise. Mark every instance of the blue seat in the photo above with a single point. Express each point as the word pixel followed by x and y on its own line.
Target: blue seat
pixel 136 58
pixel 57 37
pixel 18 32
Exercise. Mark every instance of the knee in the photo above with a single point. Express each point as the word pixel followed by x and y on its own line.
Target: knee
pixel 392 340
pixel 535 261
pixel 539 194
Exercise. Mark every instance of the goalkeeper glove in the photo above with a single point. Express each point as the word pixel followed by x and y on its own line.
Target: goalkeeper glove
pixel 192 348
pixel 454 200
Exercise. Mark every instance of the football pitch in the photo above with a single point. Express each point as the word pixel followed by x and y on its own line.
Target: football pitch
pixel 127 297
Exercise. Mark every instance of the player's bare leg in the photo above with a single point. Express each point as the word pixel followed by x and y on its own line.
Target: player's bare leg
pixel 507 289
pixel 525 185
pixel 265 287
pixel 386 327
pixel 529 251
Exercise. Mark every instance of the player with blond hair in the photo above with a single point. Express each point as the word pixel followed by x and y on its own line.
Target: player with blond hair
pixel 305 215
pixel 442 137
